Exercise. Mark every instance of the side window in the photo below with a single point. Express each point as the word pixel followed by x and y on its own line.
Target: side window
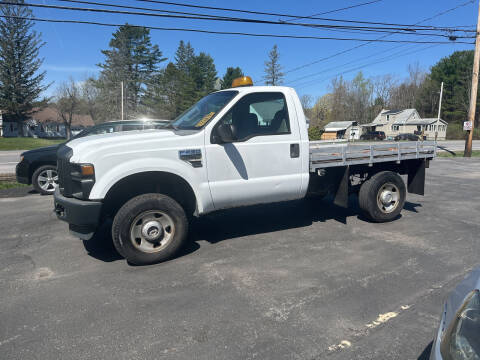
pixel 258 114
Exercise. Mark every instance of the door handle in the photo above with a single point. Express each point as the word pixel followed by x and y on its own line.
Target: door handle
pixel 294 150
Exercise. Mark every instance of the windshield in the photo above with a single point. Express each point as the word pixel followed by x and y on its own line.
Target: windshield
pixel 199 114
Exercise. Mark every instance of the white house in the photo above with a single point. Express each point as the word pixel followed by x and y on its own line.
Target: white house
pixel 394 122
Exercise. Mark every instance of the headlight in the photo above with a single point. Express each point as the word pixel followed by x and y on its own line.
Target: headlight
pixel 21 158
pixel 462 338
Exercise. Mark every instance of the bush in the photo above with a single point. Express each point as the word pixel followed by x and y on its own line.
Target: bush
pixel 456 132
pixel 314 133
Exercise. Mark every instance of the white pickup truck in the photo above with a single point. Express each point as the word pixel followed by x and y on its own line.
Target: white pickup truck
pixel 236 147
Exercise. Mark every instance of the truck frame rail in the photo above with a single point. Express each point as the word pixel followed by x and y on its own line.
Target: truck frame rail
pixel 343 154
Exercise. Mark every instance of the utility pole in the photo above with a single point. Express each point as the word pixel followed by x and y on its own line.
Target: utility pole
pixel 122 98
pixel 439 111
pixel 473 94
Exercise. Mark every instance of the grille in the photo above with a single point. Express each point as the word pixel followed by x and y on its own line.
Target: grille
pixel 64 172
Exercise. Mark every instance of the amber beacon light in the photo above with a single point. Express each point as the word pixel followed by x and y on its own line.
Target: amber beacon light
pixel 242 81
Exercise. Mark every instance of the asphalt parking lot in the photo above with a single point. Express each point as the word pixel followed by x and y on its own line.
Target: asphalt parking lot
pixel 300 280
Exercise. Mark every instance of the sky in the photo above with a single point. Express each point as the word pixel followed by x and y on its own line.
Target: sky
pixel 73 50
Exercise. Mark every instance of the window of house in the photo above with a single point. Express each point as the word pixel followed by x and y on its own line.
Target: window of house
pixel 395 127
pixel 258 114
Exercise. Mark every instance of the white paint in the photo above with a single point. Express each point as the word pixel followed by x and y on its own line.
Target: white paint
pixel 342 345
pixel 383 318
pixel 6 341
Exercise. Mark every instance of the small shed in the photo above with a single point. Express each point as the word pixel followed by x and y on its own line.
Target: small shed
pixel 341 130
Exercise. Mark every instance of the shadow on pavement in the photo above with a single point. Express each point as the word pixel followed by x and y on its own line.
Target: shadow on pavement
pixel 101 245
pixel 245 221
pixel 425 355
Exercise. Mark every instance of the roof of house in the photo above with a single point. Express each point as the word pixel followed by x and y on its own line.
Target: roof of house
pixel 50 114
pixel 338 125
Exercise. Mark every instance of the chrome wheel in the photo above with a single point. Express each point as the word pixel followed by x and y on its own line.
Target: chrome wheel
pixel 388 198
pixel 48 180
pixel 151 231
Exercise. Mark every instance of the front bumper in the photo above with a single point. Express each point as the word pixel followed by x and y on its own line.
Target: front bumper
pixel 22 172
pixel 82 216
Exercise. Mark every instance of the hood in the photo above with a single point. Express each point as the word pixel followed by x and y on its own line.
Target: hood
pixel 51 148
pixel 458 295
pixel 83 147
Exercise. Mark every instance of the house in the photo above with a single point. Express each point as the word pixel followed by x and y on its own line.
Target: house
pixel 408 121
pixel 45 123
pixel 341 130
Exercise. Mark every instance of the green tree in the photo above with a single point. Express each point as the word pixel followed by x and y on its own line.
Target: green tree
pixel 230 75
pixel 132 59
pixel 456 73
pixel 181 84
pixel 273 69
pixel 20 80
pixel 204 74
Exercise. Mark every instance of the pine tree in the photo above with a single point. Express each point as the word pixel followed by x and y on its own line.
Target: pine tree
pixel 273 69
pixel 230 75
pixel 21 84
pixel 132 59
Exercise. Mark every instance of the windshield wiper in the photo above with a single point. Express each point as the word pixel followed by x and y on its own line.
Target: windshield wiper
pixel 171 126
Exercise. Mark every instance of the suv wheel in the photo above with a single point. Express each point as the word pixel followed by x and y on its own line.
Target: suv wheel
pixel 45 179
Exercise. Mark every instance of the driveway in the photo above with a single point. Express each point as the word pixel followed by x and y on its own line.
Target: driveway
pixel 298 280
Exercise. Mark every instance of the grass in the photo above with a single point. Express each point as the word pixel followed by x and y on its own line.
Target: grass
pixel 475 153
pixel 10 185
pixel 26 143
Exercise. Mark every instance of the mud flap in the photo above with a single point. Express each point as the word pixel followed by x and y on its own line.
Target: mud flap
pixel 416 178
pixel 341 195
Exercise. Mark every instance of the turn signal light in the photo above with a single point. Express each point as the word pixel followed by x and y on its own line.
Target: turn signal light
pixel 242 81
pixel 87 170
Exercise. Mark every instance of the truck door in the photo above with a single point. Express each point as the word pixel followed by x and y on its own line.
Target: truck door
pixel 263 163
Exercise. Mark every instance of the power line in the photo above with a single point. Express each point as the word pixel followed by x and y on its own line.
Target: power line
pixel 135 8
pixel 279 14
pixel 382 37
pixel 379 61
pixel 337 10
pixel 226 32
pixel 348 63
pixel 243 20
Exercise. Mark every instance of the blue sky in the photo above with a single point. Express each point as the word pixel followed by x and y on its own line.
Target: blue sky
pixel 74 50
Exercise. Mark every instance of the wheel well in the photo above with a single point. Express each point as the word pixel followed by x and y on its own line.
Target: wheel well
pixel 149 182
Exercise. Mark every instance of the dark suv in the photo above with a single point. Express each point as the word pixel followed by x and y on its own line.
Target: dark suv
pixel 373 135
pixel 39 166
pixel 407 137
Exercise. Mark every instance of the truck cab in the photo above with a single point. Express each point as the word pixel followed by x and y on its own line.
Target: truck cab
pixel 241 146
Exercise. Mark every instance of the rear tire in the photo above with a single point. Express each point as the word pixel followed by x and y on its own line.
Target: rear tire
pixel 381 198
pixel 149 228
pixel 45 179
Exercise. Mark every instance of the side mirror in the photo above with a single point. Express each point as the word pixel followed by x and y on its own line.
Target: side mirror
pixel 225 133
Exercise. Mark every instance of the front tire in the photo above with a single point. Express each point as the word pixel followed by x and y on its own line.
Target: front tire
pixel 45 179
pixel 382 197
pixel 149 228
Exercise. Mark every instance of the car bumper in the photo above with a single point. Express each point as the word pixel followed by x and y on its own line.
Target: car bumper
pixel 82 216
pixel 22 172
